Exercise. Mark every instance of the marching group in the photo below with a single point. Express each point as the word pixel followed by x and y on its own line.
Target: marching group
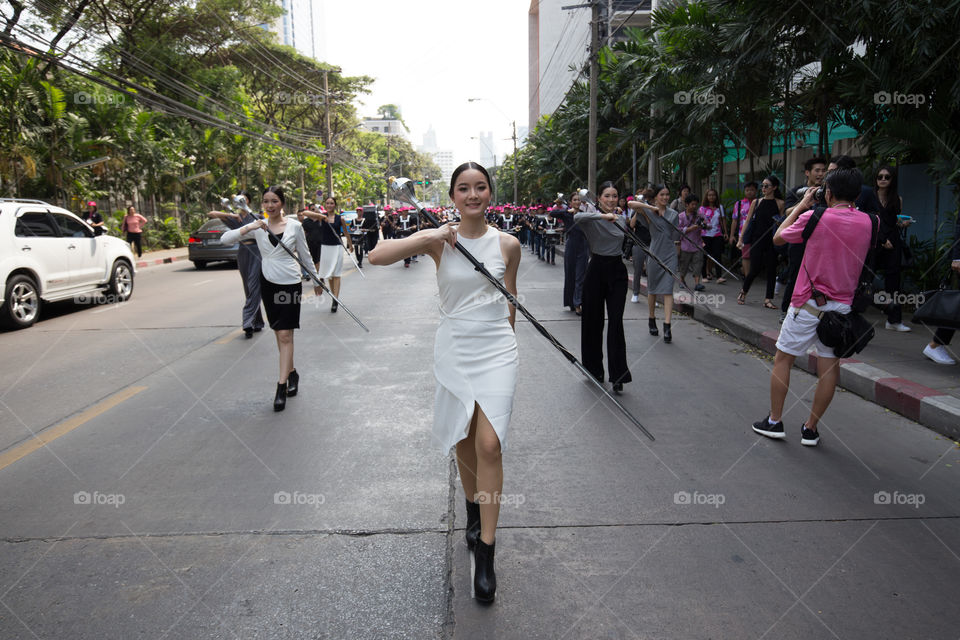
pixel 834 230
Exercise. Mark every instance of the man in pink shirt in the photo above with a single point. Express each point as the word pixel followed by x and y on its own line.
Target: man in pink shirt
pixel 827 281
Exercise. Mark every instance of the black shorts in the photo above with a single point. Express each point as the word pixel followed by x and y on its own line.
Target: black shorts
pixel 282 303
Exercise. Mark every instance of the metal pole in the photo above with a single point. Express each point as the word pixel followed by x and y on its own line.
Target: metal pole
pixel 516 197
pixel 594 80
pixel 326 126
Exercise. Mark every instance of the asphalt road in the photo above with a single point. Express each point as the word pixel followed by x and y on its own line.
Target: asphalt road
pixel 170 501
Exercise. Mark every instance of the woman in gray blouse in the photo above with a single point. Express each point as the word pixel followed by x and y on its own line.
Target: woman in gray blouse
pixel 604 285
pixel 662 222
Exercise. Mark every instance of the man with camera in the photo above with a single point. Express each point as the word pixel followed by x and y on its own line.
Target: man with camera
pixel 814 169
pixel 827 281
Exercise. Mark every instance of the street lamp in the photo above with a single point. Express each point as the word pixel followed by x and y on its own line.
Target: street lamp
pixel 516 196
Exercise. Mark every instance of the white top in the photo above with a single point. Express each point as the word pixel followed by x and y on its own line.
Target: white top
pixel 464 293
pixel 277 265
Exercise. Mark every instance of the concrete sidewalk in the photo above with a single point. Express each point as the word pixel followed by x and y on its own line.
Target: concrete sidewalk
pixel 892 371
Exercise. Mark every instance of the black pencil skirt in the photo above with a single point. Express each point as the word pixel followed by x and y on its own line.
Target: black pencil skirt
pixel 282 303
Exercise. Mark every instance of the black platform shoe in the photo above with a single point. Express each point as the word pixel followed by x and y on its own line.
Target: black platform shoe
pixel 248 333
pixel 667 336
pixel 652 322
pixel 333 307
pixel 473 524
pixel 280 400
pixel 618 388
pixel 293 383
pixel 484 578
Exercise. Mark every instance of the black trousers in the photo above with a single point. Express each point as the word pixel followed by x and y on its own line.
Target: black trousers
pixel 604 285
pixel 762 256
pixel 794 258
pixel 889 261
pixel 714 248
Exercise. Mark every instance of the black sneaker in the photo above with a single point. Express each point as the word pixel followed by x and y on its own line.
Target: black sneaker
pixel 808 437
pixel 764 428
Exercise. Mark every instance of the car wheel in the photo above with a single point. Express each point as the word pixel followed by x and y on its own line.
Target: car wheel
pixel 121 281
pixel 200 264
pixel 21 302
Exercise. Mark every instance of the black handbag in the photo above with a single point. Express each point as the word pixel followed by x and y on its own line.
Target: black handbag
pixel 940 308
pixel 845 333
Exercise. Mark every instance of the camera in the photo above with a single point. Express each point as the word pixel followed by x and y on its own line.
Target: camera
pixel 818 196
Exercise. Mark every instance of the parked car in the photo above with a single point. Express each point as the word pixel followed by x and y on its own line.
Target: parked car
pixel 49 254
pixel 204 245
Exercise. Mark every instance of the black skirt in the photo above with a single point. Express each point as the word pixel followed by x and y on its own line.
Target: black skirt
pixel 282 303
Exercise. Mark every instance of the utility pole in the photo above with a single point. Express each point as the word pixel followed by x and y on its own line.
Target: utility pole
pixel 516 197
pixel 326 129
pixel 594 81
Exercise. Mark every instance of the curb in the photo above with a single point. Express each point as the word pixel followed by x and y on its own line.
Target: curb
pixel 931 408
pixel 141 264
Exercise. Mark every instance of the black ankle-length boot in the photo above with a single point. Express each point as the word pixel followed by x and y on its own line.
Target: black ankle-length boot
pixel 280 400
pixel 667 336
pixel 293 383
pixel 652 323
pixel 484 579
pixel 473 524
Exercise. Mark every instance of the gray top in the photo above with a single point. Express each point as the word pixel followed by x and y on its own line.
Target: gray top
pixel 605 238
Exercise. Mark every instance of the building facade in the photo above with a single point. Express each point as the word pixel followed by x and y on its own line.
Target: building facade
pixel 559 44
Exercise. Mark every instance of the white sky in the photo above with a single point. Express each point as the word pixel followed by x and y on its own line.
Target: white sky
pixel 429 57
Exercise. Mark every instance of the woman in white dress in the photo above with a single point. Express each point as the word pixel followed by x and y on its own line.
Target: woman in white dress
pixel 475 357
pixel 329 262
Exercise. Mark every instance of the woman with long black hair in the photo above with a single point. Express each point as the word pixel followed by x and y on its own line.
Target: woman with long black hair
pixel 662 222
pixel 280 281
pixel 475 357
pixel 604 285
pixel 760 226
pixel 892 243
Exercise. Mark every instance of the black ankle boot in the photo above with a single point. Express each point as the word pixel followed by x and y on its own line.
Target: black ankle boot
pixel 652 322
pixel 280 400
pixel 484 578
pixel 293 383
pixel 667 336
pixel 473 524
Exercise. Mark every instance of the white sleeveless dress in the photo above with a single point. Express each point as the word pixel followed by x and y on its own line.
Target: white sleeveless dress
pixel 475 355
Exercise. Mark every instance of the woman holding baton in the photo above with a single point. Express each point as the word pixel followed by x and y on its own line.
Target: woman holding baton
pixel 662 222
pixel 604 284
pixel 476 361
pixel 280 281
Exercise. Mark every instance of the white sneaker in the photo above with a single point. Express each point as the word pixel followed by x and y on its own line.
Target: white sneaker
pixel 635 299
pixel 902 328
pixel 938 354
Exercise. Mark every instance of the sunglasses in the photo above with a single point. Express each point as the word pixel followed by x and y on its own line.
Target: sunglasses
pixel 884 176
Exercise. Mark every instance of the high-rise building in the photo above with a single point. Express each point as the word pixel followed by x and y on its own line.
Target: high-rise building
pixel 487 155
pixel 560 40
pixel 299 26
